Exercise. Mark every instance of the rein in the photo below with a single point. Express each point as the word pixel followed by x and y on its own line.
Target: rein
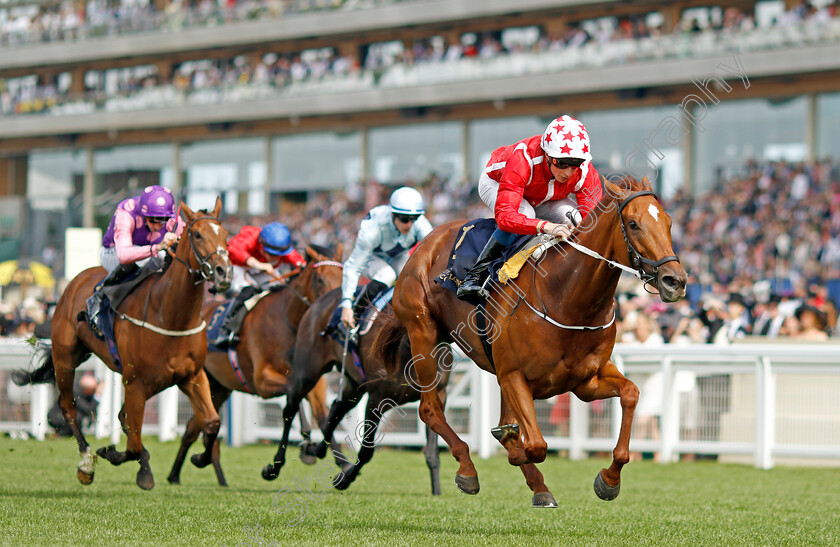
pixel 636 259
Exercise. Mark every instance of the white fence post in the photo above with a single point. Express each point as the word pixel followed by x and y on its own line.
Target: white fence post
pixel 39 407
pixel 168 414
pixel 488 396
pixel 578 427
pixel 765 414
pixel 236 419
pixel 670 430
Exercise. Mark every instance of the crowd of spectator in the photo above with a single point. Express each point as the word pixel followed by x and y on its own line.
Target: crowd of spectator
pixel 71 20
pixel 505 52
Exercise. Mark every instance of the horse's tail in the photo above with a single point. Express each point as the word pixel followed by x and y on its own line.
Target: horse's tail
pixel 386 345
pixel 45 374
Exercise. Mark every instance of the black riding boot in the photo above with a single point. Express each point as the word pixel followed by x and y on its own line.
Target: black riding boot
pixel 229 331
pixel 117 276
pixel 367 296
pixel 473 281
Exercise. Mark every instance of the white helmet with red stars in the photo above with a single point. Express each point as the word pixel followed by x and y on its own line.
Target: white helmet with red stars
pixel 566 137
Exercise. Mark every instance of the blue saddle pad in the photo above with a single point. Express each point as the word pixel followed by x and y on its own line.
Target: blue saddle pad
pixel 471 239
pixel 215 324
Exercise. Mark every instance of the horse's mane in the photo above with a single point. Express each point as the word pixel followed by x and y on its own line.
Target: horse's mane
pixel 320 249
pixel 624 186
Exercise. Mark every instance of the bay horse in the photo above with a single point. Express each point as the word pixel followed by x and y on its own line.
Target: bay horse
pixel 552 328
pixel 160 339
pixel 264 352
pixel 315 355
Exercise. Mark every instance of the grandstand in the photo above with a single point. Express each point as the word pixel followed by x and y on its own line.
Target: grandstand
pixel 268 101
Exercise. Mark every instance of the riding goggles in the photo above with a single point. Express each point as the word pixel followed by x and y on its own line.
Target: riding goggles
pixel 563 163
pixel 158 220
pixel 406 219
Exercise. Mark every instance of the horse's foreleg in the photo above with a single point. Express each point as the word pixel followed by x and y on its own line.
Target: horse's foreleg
pixel 423 339
pixel 608 383
pixel 343 480
pixel 520 404
pixel 131 417
pixel 64 377
pixel 198 391
pixel 347 400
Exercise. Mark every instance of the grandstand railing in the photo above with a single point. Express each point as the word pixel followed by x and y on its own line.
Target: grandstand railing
pixel 751 403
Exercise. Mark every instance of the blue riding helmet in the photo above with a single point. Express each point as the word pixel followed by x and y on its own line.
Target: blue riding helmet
pixel 276 239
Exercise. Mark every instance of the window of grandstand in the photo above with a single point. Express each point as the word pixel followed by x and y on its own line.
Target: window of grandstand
pixel 315 161
pixel 404 154
pixel 737 131
pixel 626 141
pixel 487 135
pixel 227 167
pixel 828 138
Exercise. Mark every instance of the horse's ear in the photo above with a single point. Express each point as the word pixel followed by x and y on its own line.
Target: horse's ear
pixel 613 190
pixel 338 254
pixel 188 213
pixel 218 208
pixel 311 253
pixel 645 183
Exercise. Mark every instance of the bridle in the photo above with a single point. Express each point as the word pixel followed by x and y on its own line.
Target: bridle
pixel 204 272
pixel 636 259
pixel 315 266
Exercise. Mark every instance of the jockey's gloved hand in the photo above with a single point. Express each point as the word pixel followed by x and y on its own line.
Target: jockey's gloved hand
pixel 347 318
pixel 560 231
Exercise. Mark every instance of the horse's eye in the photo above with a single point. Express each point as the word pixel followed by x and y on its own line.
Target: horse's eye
pixel 196 235
pixel 632 224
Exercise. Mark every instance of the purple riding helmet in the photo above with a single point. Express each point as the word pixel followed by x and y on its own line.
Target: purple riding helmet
pixel 157 201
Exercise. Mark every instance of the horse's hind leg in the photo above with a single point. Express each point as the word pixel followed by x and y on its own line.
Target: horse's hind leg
pixel 131 417
pixel 65 372
pixel 195 426
pixel 197 389
pixel 606 384
pixel 423 335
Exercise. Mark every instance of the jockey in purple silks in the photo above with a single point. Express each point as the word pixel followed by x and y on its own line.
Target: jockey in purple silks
pixel 142 227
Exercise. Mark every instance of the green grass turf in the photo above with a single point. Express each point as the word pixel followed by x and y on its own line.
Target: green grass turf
pixel 703 503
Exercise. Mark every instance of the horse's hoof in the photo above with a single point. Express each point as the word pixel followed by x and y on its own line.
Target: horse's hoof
pixel 543 499
pixel 467 485
pixel 341 482
pixel 604 490
pixel 173 480
pixel 102 451
pixel 146 482
pixel 83 477
pixel 269 472
pixel 306 455
pixel 198 461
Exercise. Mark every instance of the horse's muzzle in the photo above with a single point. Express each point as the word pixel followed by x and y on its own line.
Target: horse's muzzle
pixel 671 281
pixel 222 276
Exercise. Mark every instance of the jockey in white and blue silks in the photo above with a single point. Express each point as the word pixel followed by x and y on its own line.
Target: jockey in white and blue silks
pixel 385 237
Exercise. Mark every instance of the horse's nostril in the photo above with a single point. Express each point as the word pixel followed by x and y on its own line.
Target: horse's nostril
pixel 670 282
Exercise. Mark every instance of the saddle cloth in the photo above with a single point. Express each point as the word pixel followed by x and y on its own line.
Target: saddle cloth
pixel 472 238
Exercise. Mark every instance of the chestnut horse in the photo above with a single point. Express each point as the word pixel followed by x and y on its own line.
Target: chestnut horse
pixel 264 353
pixel 160 338
pixel 551 333
pixel 317 354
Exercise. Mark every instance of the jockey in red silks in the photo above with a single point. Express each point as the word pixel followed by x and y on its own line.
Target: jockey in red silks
pixel 263 251
pixel 542 184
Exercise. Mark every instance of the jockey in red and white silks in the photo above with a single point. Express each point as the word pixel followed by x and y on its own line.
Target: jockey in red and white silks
pixel 541 184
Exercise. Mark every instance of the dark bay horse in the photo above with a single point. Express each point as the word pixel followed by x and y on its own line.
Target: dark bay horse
pixel 317 354
pixel 264 353
pixel 160 337
pixel 552 329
